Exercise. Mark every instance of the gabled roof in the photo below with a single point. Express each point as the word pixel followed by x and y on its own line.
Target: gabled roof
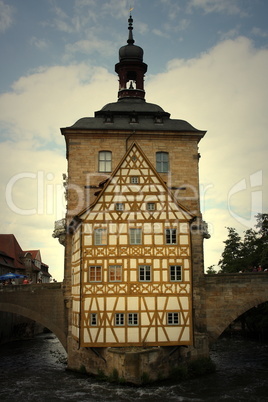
pixel 11 254
pixel 10 246
pixel 36 255
pixel 136 159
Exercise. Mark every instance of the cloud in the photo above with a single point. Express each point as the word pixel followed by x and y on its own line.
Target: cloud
pixel 259 32
pixel 29 110
pixel 32 198
pixel 160 33
pixel 38 43
pixel 224 92
pixel 79 20
pixel 116 9
pixel 88 46
pixel 232 33
pixel 32 151
pixel 216 6
pixel 6 16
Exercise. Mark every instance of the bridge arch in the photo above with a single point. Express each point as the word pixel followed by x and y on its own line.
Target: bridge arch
pixel 230 295
pixel 43 303
pixel 35 316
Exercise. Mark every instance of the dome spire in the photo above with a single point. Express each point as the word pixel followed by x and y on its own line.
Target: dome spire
pixel 130 40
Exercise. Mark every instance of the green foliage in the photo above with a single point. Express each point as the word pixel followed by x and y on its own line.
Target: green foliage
pixel 82 369
pixel 145 379
pixel 232 257
pixel 114 377
pixel 211 270
pixel 101 376
pixel 251 251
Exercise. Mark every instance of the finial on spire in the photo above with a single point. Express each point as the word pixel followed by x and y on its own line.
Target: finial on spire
pixel 130 40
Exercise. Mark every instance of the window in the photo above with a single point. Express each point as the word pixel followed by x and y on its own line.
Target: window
pixel 134 180
pixel 95 274
pixel 119 206
pixel 150 206
pixel 100 236
pixel 93 319
pixel 119 319
pixel 173 319
pixel 175 273
pixel 144 273
pixel 115 273
pixel 132 319
pixel 135 236
pixel 105 161
pixel 171 236
pixel 162 165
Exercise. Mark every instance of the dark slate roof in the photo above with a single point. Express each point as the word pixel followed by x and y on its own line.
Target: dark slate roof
pixel 134 114
pixel 130 104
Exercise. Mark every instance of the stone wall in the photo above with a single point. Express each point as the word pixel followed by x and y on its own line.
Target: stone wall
pixel 134 365
pixel 230 295
pixel 42 303
pixel 83 164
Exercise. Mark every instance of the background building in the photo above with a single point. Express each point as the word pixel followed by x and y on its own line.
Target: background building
pixel 14 259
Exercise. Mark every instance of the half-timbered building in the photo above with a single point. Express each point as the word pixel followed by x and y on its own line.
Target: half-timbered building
pixel 134 245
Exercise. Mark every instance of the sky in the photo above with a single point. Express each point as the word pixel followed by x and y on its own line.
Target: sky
pixel 207 64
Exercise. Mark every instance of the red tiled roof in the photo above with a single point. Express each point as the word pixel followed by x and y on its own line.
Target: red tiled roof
pixel 36 255
pixel 11 254
pixel 10 246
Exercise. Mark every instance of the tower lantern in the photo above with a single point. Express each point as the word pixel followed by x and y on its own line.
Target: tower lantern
pixel 131 68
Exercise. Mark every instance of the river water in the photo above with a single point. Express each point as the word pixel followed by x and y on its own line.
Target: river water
pixel 35 371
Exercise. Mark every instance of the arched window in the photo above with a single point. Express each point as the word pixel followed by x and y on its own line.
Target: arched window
pixel 162 163
pixel 105 161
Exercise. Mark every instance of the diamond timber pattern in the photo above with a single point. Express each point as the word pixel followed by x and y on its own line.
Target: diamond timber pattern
pixel 150 300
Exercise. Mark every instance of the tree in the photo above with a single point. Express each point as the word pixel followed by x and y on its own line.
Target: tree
pixel 211 270
pixel 244 254
pixel 250 249
pixel 232 256
pixel 262 228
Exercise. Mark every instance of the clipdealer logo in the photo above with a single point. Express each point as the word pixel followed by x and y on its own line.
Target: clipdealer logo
pixel 253 186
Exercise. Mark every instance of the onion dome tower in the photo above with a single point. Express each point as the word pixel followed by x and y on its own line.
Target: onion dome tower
pixel 131 68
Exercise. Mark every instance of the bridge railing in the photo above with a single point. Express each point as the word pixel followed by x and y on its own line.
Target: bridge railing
pixel 30 287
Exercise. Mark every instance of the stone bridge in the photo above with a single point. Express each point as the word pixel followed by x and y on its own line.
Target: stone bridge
pixel 43 303
pixel 225 298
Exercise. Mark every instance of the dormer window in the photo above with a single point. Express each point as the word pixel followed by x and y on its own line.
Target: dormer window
pixel 133 118
pixel 158 120
pixel 109 118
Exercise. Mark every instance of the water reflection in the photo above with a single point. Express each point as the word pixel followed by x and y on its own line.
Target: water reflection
pixel 35 370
